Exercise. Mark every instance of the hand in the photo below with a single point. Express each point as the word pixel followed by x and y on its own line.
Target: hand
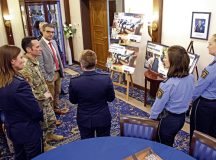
pixel 48 95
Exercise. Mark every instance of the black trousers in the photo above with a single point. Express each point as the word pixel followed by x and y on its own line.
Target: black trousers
pixel 169 127
pixel 86 132
pixel 28 151
pixel 203 117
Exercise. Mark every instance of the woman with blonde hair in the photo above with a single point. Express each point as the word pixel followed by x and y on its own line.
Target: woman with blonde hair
pixel 19 106
pixel 203 115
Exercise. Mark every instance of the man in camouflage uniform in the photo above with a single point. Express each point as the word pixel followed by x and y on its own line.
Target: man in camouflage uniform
pixel 39 88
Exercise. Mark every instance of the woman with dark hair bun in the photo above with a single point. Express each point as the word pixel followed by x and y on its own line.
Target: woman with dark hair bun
pixel 173 95
pixel 20 108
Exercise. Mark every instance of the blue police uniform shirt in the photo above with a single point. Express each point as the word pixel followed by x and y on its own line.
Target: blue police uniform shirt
pixel 206 86
pixel 174 95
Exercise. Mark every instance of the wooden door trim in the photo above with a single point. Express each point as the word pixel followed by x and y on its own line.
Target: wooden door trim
pixel 157 11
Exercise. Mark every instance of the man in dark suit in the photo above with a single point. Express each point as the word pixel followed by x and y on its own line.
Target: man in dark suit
pixel 51 65
pixel 91 91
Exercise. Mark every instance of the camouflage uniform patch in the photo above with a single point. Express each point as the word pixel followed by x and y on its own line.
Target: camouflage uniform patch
pixel 160 93
pixel 204 73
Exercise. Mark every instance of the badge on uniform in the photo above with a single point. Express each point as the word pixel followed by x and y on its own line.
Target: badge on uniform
pixel 204 73
pixel 160 93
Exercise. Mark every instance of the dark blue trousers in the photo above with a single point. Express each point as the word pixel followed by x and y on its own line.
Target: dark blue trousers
pixel 203 117
pixel 169 127
pixel 86 132
pixel 28 151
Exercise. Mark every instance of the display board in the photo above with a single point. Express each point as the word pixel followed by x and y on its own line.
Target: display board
pixel 126 32
pixel 154 59
pixel 126 27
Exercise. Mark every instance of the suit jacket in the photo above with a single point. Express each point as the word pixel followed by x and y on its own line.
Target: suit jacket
pixel 21 111
pixel 46 60
pixel 91 91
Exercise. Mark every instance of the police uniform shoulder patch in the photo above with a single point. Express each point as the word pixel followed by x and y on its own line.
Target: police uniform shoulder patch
pixel 204 73
pixel 160 93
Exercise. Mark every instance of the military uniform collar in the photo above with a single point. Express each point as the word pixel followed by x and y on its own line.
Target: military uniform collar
pixel 213 61
pixel 34 61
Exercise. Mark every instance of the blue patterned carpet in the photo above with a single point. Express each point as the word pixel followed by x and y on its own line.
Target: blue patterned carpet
pixel 117 107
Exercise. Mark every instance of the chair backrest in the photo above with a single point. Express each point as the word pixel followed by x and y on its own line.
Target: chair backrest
pixel 138 127
pixel 203 146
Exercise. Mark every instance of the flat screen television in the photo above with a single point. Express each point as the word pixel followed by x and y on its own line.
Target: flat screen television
pixel 155 54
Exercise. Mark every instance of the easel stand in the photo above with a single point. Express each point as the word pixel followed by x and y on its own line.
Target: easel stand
pixel 128 77
pixel 190 49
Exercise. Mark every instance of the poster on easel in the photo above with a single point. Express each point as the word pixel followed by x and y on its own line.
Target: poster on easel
pixel 126 31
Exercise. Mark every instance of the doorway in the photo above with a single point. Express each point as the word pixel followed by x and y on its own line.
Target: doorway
pixel 97 16
pixel 33 12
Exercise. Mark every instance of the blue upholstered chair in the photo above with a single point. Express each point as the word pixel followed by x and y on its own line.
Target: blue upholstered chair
pixel 138 127
pixel 203 146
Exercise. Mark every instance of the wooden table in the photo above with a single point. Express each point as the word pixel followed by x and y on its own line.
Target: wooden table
pixel 155 79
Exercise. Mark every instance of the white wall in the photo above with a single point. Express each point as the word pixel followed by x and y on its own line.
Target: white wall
pixel 176 26
pixel 67 46
pixel 75 14
pixel 16 22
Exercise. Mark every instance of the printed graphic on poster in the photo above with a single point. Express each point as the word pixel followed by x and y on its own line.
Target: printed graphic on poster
pixel 154 59
pixel 126 28
pixel 122 56
pixel 155 54
pixel 126 31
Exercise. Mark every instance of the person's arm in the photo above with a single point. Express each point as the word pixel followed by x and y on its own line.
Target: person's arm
pixel 42 63
pixel 26 72
pixel 162 98
pixel 110 91
pixel 27 102
pixel 203 82
pixel 72 93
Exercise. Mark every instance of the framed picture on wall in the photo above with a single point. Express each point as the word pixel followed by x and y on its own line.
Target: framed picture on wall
pixel 200 25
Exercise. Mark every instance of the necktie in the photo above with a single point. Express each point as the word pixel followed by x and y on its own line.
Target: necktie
pixel 54 56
